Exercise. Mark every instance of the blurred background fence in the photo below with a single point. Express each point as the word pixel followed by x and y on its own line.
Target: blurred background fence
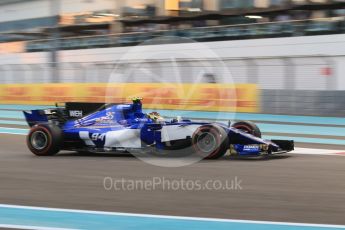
pixel 294 73
pixel 302 85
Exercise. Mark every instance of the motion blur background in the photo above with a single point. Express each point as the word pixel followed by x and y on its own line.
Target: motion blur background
pixel 293 50
pixel 287 65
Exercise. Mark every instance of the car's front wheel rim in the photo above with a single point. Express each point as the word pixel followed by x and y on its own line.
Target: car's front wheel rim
pixel 207 142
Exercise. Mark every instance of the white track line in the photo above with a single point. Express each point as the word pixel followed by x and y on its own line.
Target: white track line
pixel 171 217
pixel 12 133
pixel 326 152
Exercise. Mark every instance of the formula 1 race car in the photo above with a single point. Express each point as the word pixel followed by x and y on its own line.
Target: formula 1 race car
pixel 93 127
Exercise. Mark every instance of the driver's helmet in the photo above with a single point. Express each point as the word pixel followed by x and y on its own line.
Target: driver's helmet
pixel 156 117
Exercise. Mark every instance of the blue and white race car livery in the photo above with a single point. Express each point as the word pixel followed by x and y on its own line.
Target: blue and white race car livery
pixel 116 128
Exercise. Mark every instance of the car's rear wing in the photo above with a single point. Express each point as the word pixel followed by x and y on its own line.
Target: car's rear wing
pixel 81 109
pixel 61 113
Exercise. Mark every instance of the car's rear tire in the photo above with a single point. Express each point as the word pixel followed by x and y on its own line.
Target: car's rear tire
pixel 210 141
pixel 44 140
pixel 248 127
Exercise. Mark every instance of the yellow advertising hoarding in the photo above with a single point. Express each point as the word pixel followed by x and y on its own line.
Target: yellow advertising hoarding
pixel 203 97
pixel 171 4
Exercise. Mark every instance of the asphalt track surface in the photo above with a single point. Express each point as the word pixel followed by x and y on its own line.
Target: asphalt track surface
pixel 290 188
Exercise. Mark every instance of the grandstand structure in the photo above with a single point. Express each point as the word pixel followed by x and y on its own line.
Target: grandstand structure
pixel 108 23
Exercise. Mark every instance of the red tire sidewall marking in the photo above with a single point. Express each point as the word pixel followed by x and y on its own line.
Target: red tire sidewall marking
pixel 49 136
pixel 216 134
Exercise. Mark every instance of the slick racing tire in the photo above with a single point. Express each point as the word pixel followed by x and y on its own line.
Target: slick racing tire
pixel 210 141
pixel 248 127
pixel 44 140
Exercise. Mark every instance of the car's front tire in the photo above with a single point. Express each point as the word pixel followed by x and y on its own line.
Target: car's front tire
pixel 44 140
pixel 210 141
